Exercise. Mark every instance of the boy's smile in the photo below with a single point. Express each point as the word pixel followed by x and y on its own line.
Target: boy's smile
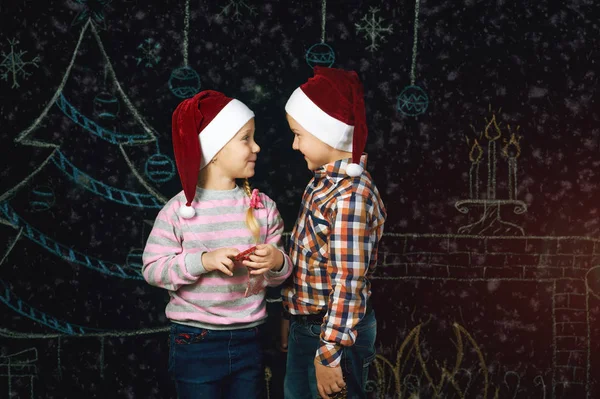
pixel 316 153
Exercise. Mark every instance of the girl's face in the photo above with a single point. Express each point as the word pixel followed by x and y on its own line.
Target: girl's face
pixel 238 158
pixel 316 153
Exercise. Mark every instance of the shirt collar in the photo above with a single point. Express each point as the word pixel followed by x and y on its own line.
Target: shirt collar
pixel 337 170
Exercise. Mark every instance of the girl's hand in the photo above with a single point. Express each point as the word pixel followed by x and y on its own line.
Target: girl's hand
pixel 265 258
pixel 220 259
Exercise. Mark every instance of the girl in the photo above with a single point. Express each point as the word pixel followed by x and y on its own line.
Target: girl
pixel 217 303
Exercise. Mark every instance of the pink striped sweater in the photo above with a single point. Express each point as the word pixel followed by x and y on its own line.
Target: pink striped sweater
pixel 173 253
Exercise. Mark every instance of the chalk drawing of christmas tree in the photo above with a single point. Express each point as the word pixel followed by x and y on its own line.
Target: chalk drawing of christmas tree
pixel 55 262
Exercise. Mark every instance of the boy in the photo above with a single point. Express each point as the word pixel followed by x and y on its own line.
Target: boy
pixel 334 242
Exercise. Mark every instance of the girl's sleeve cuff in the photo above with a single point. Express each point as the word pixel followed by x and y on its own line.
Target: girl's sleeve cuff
pixel 194 265
pixel 284 268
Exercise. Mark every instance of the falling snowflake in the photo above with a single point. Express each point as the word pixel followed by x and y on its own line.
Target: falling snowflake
pixel 372 28
pixel 259 94
pixel 149 53
pixel 236 7
pixel 13 65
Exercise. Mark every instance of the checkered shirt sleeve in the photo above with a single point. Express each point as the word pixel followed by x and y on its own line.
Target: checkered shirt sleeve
pixel 350 247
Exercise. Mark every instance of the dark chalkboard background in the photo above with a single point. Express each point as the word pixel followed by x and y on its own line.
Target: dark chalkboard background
pixel 498 296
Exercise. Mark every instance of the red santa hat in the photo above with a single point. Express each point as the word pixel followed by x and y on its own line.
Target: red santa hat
pixel 201 126
pixel 331 107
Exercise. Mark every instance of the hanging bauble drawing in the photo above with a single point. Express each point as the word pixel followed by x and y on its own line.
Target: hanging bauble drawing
pixel 41 198
pixel 184 82
pixel 320 54
pixel 106 106
pixel 412 101
pixel 160 168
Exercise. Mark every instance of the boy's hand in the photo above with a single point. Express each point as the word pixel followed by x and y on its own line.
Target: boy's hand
pixel 220 259
pixel 330 380
pixel 265 258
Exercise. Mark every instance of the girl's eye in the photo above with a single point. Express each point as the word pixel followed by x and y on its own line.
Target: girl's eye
pixel 246 137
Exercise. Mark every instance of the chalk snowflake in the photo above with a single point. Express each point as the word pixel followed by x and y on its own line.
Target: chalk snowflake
pixel 149 50
pixel 372 29
pixel 236 7
pixel 13 65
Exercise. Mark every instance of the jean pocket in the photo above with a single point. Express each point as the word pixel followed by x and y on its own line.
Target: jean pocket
pixel 367 334
pixel 186 335
pixel 366 364
pixel 314 330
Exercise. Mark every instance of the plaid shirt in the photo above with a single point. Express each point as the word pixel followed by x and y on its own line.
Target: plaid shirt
pixel 334 248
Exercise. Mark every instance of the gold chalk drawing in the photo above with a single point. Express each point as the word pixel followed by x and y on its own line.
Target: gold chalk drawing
pixel 409 384
pixel 268 377
pixel 565 266
pixel 412 375
pixel 490 221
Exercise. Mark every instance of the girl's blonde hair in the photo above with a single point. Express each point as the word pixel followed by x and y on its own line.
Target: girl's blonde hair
pixel 251 221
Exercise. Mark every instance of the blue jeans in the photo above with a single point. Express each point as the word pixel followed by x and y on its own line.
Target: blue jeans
pixel 215 364
pixel 300 380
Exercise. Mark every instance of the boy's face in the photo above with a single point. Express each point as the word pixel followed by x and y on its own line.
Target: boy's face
pixel 316 153
pixel 238 158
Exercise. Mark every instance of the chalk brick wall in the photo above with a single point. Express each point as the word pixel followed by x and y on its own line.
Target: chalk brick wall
pixel 560 261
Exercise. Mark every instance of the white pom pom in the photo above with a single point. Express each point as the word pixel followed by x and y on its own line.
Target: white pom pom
pixel 187 212
pixel 354 169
